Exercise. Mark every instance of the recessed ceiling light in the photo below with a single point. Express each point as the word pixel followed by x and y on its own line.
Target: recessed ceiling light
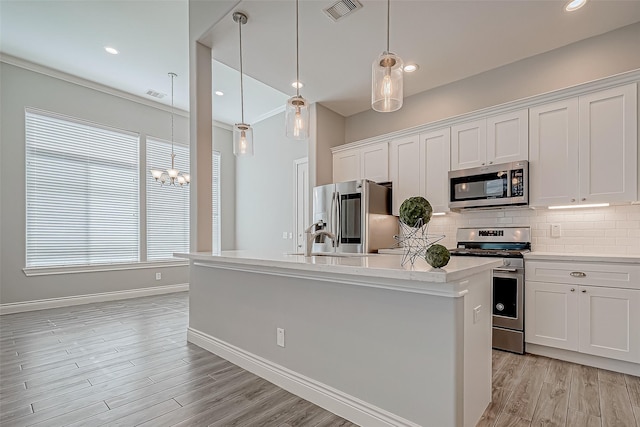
pixel 219 92
pixel 297 85
pixel 111 50
pixel 410 68
pixel 574 5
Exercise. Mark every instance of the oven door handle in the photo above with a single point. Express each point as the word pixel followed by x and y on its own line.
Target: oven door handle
pixel 506 270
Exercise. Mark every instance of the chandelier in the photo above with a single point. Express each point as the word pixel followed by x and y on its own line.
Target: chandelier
pixel 171 176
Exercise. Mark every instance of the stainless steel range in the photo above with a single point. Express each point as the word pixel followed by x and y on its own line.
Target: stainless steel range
pixel 510 244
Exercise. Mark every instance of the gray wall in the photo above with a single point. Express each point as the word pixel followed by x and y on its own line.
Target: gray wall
pixel 264 188
pixel 20 88
pixel 601 56
pixel 223 142
pixel 330 129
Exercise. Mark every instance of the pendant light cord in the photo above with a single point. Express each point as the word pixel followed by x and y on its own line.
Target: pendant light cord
pixel 297 55
pixel 388 21
pixel 241 85
pixel 172 154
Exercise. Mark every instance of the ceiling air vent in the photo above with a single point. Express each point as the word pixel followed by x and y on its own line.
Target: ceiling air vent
pixel 342 8
pixel 156 94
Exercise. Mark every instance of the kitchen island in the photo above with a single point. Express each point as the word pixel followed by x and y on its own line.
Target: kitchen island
pixel 370 340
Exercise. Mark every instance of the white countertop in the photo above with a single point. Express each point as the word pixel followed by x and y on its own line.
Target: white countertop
pixel 582 257
pixel 369 265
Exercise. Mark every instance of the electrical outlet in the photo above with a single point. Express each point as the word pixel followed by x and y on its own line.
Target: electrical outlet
pixel 556 230
pixel 280 337
pixel 158 276
pixel 284 234
pixel 290 235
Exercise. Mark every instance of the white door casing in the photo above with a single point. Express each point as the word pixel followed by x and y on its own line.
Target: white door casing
pixel 301 202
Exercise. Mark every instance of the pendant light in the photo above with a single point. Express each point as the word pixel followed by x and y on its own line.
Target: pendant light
pixel 171 176
pixel 297 110
pixel 242 132
pixel 386 88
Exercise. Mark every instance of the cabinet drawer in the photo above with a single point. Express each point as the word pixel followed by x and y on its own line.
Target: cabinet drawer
pixel 590 274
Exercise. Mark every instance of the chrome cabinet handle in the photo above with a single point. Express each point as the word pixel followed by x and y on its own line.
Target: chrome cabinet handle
pixel 578 274
pixel 490 163
pixel 584 291
pixel 573 289
pixel 573 200
pixel 482 164
pixel 584 198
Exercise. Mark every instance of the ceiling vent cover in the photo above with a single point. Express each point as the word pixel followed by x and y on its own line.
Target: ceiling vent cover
pixel 342 8
pixel 156 94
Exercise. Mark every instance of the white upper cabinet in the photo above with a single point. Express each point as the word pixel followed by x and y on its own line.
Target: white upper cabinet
pixel 367 162
pixel 346 165
pixel 374 162
pixel 609 145
pixel 498 139
pixel 553 156
pixel 508 137
pixel 469 145
pixel 404 169
pixel 435 159
pixel 584 150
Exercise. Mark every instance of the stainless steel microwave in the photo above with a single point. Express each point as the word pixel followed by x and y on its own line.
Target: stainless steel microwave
pixel 500 185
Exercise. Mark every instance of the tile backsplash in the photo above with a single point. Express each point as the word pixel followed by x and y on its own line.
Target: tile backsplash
pixel 613 229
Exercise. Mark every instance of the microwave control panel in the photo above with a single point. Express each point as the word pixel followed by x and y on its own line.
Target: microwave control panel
pixel 517 183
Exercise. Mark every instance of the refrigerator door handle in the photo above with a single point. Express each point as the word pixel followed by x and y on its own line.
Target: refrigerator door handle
pixel 334 213
pixel 338 221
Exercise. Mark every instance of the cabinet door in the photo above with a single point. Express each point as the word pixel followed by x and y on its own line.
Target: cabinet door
pixel 435 149
pixel 553 154
pixel 374 162
pixel 508 137
pixel 608 146
pixel 469 145
pixel 610 322
pixel 346 165
pixel 404 168
pixel 551 315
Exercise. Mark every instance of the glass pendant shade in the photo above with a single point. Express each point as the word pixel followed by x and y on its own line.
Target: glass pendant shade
pixel 387 77
pixel 242 140
pixel 297 118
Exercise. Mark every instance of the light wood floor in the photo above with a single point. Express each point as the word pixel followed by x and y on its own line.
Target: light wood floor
pixel 127 363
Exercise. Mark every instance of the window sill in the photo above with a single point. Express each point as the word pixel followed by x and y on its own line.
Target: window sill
pixel 69 269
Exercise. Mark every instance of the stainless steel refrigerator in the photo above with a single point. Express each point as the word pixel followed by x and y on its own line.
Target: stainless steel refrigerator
pixel 358 213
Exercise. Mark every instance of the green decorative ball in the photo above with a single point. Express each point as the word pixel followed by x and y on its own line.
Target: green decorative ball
pixel 414 209
pixel 437 256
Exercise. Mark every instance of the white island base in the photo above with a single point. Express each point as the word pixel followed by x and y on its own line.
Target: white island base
pixel 369 340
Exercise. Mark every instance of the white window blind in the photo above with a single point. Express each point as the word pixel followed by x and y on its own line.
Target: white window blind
pixel 215 198
pixel 82 192
pixel 167 205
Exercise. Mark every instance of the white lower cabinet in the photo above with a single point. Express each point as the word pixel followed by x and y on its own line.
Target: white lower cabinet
pixel 610 322
pixel 598 320
pixel 551 315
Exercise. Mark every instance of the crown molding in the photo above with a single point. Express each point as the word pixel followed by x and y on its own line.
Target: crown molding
pixel 70 78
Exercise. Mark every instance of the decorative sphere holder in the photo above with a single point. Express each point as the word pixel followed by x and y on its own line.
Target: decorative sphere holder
pixel 415 241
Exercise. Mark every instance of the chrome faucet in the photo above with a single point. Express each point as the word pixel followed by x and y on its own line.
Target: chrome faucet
pixel 310 236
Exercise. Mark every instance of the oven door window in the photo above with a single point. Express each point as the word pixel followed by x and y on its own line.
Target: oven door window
pixel 505 297
pixel 478 187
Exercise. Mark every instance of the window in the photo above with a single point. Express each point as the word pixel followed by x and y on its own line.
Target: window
pixel 215 199
pixel 167 206
pixel 82 192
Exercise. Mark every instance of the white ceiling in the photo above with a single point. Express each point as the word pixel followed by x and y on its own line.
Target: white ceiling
pixel 449 39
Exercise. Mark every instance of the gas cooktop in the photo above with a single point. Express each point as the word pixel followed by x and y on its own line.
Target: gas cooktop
pixel 502 242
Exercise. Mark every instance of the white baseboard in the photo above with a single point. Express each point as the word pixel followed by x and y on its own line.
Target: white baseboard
pixel 19 307
pixel 585 359
pixel 336 401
